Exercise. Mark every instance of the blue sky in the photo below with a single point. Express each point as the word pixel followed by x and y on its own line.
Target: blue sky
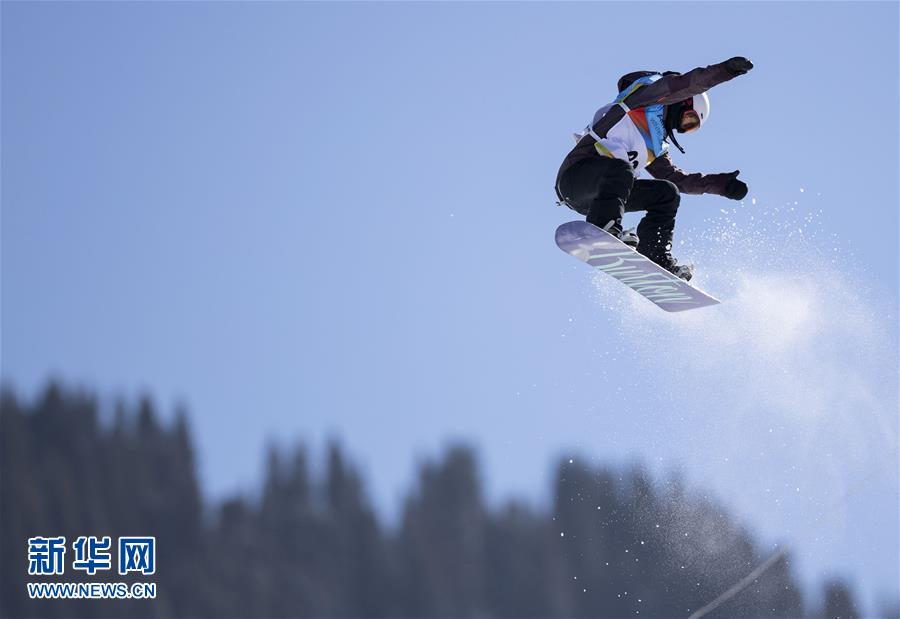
pixel 307 220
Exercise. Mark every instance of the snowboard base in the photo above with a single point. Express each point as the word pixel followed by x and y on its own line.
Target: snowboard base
pixel 605 252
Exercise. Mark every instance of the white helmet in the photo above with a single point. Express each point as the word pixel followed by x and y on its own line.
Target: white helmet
pixel 693 113
pixel 701 105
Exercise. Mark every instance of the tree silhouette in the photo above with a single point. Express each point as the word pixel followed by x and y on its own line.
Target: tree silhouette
pixel 839 602
pixel 615 542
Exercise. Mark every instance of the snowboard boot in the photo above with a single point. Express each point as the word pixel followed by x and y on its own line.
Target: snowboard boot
pixel 665 259
pixel 629 237
pixel 684 271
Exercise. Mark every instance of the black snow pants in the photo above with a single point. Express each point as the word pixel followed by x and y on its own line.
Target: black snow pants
pixel 604 189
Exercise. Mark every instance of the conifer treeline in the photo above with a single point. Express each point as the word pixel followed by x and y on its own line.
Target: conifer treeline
pixel 617 543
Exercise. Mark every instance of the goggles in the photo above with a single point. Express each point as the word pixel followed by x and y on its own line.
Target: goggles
pixel 690 121
pixel 690 118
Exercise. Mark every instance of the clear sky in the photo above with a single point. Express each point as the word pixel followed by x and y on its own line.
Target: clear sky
pixel 306 220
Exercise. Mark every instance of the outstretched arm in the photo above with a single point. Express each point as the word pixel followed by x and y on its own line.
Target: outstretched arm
pixel 727 184
pixel 674 88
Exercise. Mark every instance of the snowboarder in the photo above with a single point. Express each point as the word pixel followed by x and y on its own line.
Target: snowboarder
pixel 597 178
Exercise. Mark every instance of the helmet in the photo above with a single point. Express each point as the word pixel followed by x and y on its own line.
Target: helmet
pixel 690 114
pixel 686 116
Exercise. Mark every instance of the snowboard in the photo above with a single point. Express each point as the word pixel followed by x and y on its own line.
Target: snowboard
pixel 603 251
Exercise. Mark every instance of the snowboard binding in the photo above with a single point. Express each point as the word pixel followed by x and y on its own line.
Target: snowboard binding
pixel 629 237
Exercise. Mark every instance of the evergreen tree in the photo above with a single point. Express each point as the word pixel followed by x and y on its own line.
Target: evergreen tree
pixel 839 603
pixel 525 571
pixel 357 556
pixel 442 540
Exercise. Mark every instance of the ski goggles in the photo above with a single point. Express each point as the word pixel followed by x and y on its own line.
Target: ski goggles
pixel 690 121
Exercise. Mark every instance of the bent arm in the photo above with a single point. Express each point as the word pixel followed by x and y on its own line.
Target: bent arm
pixel 663 168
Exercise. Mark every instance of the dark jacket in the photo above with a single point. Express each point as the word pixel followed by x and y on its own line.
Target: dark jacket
pixel 666 90
pixel 696 183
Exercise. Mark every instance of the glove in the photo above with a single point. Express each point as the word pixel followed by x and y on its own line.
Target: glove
pixel 738 65
pixel 735 189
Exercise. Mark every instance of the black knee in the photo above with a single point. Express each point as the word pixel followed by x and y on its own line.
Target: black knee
pixel 668 197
